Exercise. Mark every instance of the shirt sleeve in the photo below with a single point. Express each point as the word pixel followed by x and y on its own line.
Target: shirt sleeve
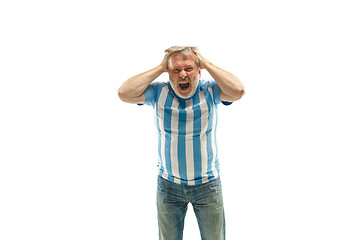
pixel 150 93
pixel 217 91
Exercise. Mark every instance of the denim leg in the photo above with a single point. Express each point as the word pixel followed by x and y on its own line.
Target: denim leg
pixel 171 207
pixel 209 210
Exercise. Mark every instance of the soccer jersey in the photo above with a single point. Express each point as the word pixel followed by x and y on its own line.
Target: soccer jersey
pixel 186 132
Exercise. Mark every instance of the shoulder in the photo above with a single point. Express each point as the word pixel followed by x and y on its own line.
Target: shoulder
pixel 211 88
pixel 158 84
pixel 152 92
pixel 207 86
pixel 156 87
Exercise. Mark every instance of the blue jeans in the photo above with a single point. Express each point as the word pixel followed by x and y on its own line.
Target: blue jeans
pixel 207 202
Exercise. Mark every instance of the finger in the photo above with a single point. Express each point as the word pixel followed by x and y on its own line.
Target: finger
pixel 168 55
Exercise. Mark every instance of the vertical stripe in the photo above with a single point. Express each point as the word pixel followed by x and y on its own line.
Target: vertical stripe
pixel 196 138
pixel 181 143
pixel 161 131
pixel 204 126
pixel 213 137
pixel 189 142
pixel 160 160
pixel 174 141
pixel 214 145
pixel 167 128
pixel 210 102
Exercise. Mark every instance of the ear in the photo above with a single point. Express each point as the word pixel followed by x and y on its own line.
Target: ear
pixel 199 73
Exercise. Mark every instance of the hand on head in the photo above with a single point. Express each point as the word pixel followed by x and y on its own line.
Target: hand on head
pixel 164 63
pixel 185 51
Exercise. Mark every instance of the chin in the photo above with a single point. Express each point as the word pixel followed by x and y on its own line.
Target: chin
pixel 185 93
pixel 188 94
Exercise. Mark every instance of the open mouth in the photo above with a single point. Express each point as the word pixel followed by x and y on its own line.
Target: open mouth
pixel 184 86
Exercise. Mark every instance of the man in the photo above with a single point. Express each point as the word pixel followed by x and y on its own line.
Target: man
pixel 186 115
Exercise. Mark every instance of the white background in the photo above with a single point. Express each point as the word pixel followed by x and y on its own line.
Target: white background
pixel 77 163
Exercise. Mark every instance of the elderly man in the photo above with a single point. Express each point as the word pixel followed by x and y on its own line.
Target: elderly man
pixel 186 116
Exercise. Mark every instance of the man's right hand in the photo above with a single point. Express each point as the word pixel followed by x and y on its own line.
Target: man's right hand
pixel 164 63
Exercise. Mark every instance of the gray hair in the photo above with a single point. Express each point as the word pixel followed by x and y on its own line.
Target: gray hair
pixel 185 51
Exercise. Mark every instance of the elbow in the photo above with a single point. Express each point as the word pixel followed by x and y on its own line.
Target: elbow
pixel 126 96
pixel 241 93
pixel 238 94
pixel 122 95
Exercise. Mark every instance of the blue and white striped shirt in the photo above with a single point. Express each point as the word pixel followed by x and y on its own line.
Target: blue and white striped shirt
pixel 186 132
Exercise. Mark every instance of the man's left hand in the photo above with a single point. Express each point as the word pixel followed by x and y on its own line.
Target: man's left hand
pixel 202 60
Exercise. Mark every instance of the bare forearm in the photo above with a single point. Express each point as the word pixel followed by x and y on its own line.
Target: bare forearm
pixel 135 86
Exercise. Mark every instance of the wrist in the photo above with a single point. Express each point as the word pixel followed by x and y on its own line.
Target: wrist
pixel 206 64
pixel 160 69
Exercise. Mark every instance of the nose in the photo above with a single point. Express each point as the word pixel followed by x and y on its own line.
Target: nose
pixel 182 74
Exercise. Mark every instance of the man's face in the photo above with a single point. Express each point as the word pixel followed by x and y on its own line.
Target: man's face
pixel 184 75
